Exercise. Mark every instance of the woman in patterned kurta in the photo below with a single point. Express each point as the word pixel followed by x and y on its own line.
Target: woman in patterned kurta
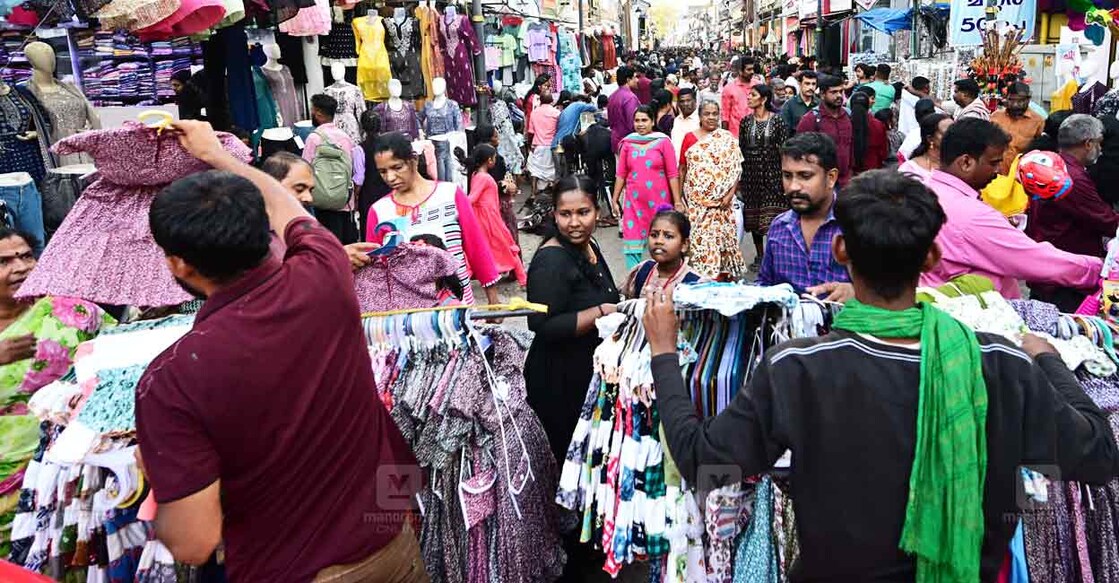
pixel 711 164
pixel 760 137
pixel 647 176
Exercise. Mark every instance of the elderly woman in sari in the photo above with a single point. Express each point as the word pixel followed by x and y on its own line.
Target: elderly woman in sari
pixel 711 164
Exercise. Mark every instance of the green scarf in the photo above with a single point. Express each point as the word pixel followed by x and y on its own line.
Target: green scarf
pixel 944 515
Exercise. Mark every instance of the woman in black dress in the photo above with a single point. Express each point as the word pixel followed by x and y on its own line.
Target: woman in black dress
pixel 569 275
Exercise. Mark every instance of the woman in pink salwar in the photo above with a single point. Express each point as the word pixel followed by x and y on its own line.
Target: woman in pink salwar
pixel 647 176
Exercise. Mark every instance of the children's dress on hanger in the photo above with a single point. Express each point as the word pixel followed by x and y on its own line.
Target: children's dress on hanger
pixel 104 251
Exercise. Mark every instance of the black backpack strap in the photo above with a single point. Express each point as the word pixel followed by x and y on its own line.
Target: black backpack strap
pixel 642 276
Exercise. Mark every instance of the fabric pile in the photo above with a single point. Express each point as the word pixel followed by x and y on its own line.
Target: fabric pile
pixel 80 511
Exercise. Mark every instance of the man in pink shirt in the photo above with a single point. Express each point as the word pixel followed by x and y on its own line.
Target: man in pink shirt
pixel 343 223
pixel 978 239
pixel 736 95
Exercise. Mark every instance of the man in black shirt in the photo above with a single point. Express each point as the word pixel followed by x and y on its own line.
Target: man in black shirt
pixel 846 406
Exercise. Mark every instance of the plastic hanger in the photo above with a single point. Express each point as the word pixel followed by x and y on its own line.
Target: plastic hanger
pixel 163 120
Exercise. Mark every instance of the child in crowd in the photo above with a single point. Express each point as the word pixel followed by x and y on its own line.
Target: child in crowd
pixel 448 288
pixel 487 207
pixel 669 239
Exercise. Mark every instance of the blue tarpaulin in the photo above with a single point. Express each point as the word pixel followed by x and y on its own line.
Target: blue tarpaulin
pixel 891 20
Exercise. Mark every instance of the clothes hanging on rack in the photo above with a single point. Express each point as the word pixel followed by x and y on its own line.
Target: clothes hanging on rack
pixel 489 474
pixel 373 69
pixel 431 54
pixel 617 439
pixel 403 44
pixel 456 35
pixel 283 90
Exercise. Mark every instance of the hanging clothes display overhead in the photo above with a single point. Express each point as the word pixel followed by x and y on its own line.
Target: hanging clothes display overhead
pixel 456 35
pixel 403 43
pixel 373 68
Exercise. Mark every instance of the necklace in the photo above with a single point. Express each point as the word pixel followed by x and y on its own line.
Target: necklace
pixel 673 277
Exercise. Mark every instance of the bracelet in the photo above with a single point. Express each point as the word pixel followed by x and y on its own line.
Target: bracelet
pixel 600 312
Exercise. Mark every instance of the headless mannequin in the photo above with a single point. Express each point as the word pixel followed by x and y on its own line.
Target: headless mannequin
pixel 439 88
pixel 273 54
pixel 70 112
pixel 395 103
pixel 338 73
pixel 449 14
pixel 398 115
pixel 399 14
pixel 440 135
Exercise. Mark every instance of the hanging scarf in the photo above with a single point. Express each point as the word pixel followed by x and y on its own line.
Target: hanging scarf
pixel 944 514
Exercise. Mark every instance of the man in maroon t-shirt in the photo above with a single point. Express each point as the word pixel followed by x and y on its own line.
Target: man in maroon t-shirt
pixel 262 426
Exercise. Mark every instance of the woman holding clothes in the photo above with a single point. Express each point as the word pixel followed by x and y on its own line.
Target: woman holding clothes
pixel 647 175
pixel 711 164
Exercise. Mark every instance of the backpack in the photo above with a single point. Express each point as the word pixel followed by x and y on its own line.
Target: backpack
pixel 334 170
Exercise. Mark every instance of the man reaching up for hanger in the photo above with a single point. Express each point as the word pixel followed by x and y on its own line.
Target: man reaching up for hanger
pixel 261 427
pixel 900 410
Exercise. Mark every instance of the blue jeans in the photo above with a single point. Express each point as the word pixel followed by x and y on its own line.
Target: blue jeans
pixel 443 163
pixel 26 207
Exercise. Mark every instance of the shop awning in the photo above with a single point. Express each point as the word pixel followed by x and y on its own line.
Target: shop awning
pixel 890 20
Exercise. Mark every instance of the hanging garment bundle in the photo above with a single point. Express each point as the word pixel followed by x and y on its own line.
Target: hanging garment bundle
pixel 617 475
pixel 457 394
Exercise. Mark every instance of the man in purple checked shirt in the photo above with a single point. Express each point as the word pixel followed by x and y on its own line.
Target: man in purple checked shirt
pixel 798 247
pixel 620 107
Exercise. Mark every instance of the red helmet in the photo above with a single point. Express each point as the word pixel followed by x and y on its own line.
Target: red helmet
pixel 1044 175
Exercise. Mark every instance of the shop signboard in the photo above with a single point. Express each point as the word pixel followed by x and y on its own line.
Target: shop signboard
pixel 837 6
pixel 790 7
pixel 967 19
pixel 807 9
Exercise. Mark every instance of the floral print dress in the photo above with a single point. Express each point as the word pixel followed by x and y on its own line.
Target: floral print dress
pixel 714 165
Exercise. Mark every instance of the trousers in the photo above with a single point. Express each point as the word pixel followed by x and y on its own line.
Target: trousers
pixel 399 561
pixel 444 167
pixel 26 208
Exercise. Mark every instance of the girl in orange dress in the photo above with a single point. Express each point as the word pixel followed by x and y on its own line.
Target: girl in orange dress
pixel 487 207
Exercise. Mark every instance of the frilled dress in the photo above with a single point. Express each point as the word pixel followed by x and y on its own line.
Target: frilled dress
pixel 104 251
pixel 484 200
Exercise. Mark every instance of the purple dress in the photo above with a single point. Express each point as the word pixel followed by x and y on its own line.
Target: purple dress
pixel 461 45
pixel 104 251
